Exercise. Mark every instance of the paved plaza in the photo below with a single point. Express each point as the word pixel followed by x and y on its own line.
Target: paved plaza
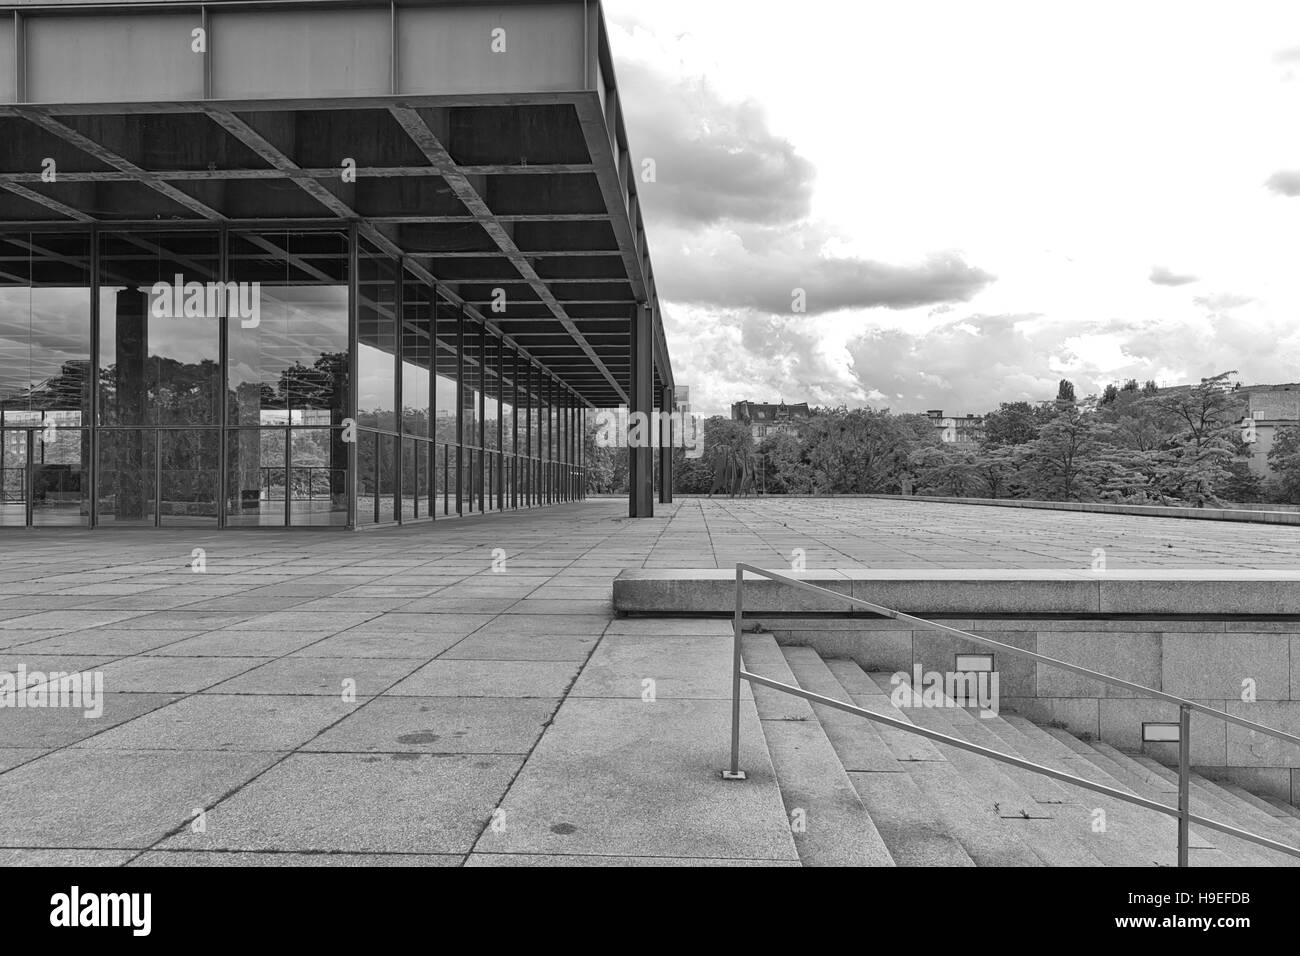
pixel 458 694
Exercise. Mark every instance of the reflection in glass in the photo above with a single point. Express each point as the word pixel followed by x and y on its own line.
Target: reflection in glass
pixel 295 357
pixel 387 478
pixel 317 477
pixel 255 476
pixel 473 373
pixel 127 477
pixel 445 414
pixel 44 381
pixel 417 356
pixel 367 478
pixel 187 469
pixel 14 477
pixel 415 475
pixel 447 430
pixel 377 332
pixel 61 475
pixel 159 329
pixel 45 325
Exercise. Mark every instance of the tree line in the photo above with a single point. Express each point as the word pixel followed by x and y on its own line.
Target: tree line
pixel 1133 444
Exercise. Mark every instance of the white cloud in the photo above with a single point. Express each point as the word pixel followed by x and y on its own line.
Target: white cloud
pixel 1062 149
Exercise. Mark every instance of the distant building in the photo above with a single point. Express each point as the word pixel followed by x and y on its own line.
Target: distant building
pixel 964 434
pixel 765 420
pixel 1269 407
pixel 682 398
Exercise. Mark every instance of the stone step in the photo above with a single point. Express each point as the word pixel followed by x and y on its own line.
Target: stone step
pixel 859 793
pixel 916 831
pixel 1206 849
pixel 1237 811
pixel 1061 822
pixel 1242 813
pixel 868 695
pixel 1068 802
pixel 1285 809
pixel 1003 819
pixel 980 730
pixel 987 838
pixel 1207 798
pixel 1227 851
pixel 828 821
pixel 992 782
pixel 1255 801
pixel 1131 836
pixel 906 816
pixel 859 745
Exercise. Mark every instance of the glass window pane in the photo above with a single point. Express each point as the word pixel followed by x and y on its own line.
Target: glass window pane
pixel 410 478
pixel 423 486
pixel 61 477
pixel 377 356
pixel 255 477
pixel 473 382
pixel 159 328
pixel 367 477
pixel 417 356
pixel 293 359
pixel 126 476
pixel 188 470
pixel 45 326
pixel 469 499
pixel 445 396
pixel 388 472
pixel 13 477
pixel 318 477
pixel 491 354
pixel 450 466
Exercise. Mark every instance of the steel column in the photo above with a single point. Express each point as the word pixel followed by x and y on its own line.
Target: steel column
pixel 640 470
pixel 666 446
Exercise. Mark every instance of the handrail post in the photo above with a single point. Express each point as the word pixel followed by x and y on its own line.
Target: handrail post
pixel 733 771
pixel 1184 780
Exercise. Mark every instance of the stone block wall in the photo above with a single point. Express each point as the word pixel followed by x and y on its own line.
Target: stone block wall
pixel 1218 662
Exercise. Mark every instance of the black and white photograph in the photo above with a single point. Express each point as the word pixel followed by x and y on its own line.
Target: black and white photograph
pixel 648 436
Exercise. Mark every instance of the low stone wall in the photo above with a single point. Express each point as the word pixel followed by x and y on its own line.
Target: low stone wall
pixel 1202 660
pixel 1256 515
pixel 962 592
pixel 1217 637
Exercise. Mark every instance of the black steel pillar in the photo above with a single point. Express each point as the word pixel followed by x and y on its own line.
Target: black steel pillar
pixel 666 436
pixel 641 399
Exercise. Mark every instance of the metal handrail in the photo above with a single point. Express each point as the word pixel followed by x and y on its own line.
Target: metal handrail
pixel 1185 708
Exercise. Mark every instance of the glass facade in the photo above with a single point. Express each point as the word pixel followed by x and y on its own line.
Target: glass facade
pixel 258 378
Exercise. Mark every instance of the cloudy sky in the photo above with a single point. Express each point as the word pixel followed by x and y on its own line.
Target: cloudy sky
pixel 977 197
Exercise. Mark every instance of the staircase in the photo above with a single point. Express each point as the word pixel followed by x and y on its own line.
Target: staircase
pixel 859 793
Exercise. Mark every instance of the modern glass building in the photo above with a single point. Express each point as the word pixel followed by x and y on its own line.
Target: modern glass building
pixel 314 264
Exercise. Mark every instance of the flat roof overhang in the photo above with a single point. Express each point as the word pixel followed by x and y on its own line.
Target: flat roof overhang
pixel 490 160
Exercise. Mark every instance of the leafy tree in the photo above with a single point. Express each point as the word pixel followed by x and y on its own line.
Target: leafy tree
pixel 601 462
pixel 1197 461
pixel 863 451
pixel 1134 421
pixel 1243 485
pixel 1127 475
pixel 1014 423
pixel 1064 460
pixel 943 470
pixel 786 472
pixel 997 469
pixel 1284 457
